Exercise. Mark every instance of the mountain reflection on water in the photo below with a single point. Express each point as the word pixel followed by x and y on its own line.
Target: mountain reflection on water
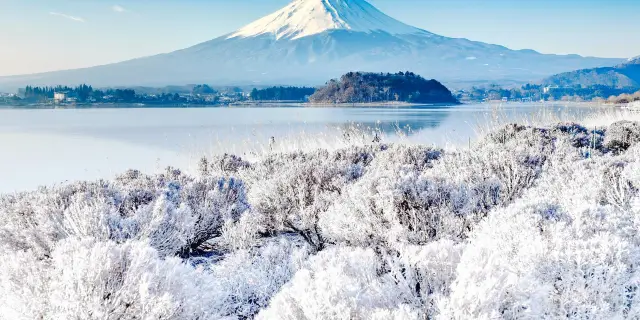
pixel 390 121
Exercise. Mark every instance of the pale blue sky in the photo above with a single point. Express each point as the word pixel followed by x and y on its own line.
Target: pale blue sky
pixel 46 35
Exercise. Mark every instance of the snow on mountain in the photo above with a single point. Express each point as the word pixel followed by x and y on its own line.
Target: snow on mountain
pixel 634 60
pixel 302 18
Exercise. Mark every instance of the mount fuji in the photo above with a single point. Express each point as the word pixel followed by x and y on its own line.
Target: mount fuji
pixel 311 41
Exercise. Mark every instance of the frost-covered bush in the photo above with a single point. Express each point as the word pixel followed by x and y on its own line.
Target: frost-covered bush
pixel 357 283
pixel 227 164
pixel 175 212
pixel 442 197
pixel 579 136
pixel 560 251
pixel 621 135
pixel 247 279
pixel 367 211
pixel 618 187
pixel 527 223
pixel 292 191
pixel 525 271
pixel 85 279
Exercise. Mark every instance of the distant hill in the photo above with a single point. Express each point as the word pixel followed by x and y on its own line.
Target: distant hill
pixel 626 75
pixel 362 87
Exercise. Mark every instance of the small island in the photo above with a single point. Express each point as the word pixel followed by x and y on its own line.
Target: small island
pixel 382 88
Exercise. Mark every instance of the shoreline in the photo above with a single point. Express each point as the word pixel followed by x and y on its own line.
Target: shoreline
pixel 341 105
pixel 232 105
pixel 289 104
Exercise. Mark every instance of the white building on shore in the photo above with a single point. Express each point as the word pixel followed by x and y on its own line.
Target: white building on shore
pixel 59 97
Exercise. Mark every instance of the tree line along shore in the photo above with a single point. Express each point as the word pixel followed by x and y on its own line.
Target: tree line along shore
pixel 351 89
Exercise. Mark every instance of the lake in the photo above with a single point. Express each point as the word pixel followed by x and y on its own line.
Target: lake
pixel 43 147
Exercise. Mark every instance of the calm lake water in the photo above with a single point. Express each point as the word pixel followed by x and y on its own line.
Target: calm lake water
pixel 44 147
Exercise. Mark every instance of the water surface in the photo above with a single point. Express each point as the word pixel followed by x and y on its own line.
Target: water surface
pixel 52 146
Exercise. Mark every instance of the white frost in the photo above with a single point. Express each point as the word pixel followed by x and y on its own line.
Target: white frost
pixel 302 18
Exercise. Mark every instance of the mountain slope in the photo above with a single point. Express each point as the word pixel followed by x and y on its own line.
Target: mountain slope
pixel 626 75
pixel 310 41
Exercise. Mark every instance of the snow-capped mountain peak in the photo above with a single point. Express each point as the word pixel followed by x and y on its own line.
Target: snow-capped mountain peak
pixel 310 41
pixel 302 18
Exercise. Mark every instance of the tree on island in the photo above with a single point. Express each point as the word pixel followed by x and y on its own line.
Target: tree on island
pixel 362 87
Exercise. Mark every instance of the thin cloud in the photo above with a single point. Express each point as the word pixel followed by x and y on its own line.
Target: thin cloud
pixel 66 16
pixel 118 9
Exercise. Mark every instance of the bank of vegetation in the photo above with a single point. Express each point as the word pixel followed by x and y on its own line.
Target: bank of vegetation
pixel 526 223
pixel 625 98
pixel 88 96
pixel 536 92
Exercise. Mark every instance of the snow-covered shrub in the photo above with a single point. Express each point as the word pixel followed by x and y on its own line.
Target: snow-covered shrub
pixel 23 285
pixel 357 283
pixel 175 212
pixel 579 136
pixel 37 220
pixel 406 158
pixel 226 164
pixel 368 211
pixel 490 283
pixel 85 279
pixel 514 131
pixel 528 223
pixel 247 279
pixel 442 197
pixel 618 189
pixel 621 135
pixel 344 283
pixel 461 188
pixel 513 269
pixel 292 191
pixel 559 251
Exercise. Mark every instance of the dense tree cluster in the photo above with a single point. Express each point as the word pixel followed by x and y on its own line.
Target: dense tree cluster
pixel 625 98
pixel 82 92
pixel 527 223
pixel 281 94
pixel 362 87
pixel 86 94
pixel 536 92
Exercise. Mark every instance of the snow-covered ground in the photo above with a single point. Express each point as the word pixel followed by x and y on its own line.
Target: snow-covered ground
pixel 526 223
